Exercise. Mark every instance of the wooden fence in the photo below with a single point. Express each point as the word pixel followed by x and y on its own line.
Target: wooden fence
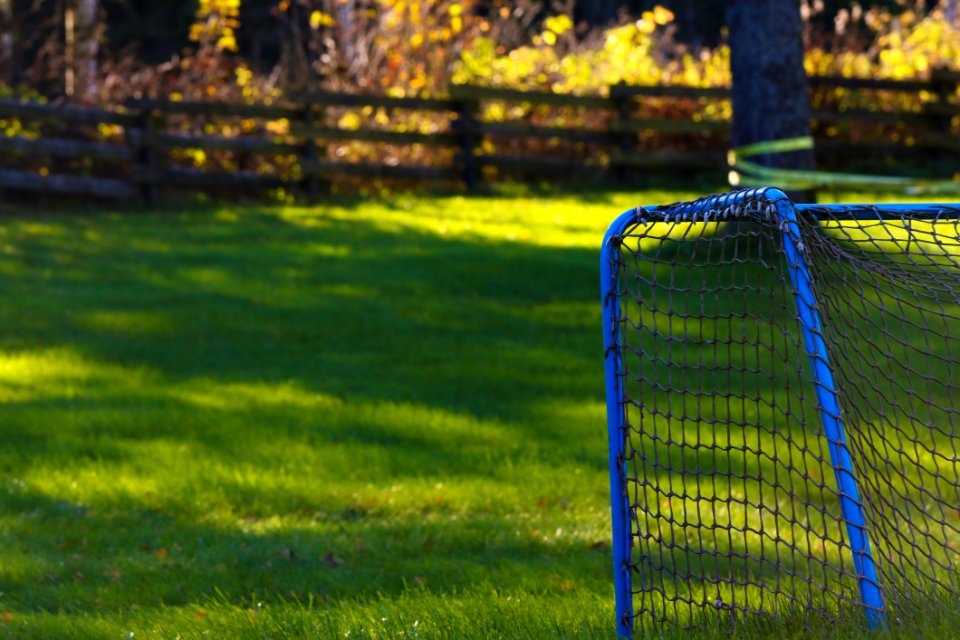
pixel 138 157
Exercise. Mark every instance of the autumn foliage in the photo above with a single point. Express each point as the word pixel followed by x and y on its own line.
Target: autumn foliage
pixel 407 48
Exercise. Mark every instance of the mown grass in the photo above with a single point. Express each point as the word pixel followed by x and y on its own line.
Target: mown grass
pixel 366 419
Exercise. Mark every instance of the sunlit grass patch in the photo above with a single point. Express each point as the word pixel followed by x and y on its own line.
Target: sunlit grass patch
pixel 362 419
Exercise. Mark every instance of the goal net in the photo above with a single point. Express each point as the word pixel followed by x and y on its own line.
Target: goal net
pixel 783 388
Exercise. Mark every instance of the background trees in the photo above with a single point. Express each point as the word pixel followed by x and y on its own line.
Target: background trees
pixel 91 49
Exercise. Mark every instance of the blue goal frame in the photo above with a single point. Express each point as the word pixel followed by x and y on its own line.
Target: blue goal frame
pixel 785 218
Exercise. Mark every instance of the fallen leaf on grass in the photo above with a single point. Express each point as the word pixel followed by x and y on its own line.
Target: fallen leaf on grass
pixel 7 616
pixel 162 553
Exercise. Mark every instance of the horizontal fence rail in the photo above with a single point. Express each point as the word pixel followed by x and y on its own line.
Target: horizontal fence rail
pixel 473 134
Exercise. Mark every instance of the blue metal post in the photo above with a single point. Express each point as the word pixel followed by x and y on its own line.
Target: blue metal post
pixel 850 502
pixel 851 505
pixel 619 498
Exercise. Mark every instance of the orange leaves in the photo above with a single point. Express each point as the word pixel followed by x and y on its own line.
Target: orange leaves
pixel 414 43
pixel 662 16
pixel 7 616
pixel 162 553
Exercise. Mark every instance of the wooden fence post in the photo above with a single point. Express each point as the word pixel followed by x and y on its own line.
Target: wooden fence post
pixel 308 162
pixel 625 139
pixel 943 83
pixel 146 154
pixel 466 126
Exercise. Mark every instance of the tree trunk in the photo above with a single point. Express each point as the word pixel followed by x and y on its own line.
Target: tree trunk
pixel 770 95
pixel 6 42
pixel 87 48
pixel 69 49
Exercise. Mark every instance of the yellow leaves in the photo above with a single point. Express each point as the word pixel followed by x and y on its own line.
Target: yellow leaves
pixel 216 22
pixel 350 121
pixel 650 20
pixel 109 130
pixel 455 10
pixel 416 40
pixel 626 53
pixel 320 19
pixel 227 42
pixel 279 127
pixel 456 24
pixel 646 25
pixel 244 75
pixel 558 24
pixel 199 158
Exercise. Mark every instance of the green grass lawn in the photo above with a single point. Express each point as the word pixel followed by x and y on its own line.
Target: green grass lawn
pixel 367 419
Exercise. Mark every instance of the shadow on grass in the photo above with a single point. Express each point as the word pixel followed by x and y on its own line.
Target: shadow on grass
pixel 339 307
pixel 299 367
pixel 356 353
